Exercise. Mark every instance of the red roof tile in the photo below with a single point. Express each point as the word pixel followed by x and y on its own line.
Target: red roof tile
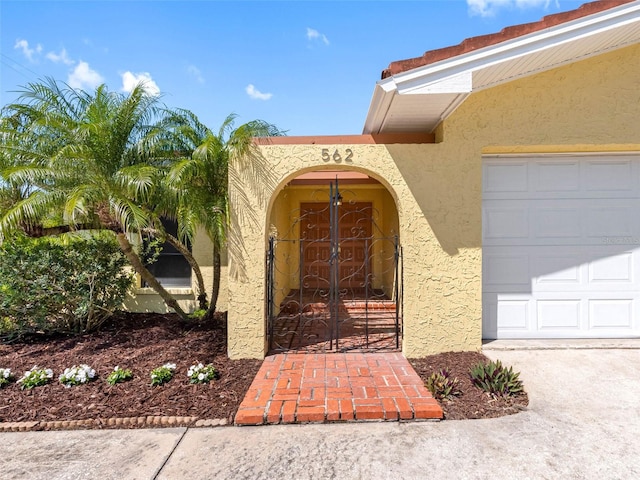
pixel 508 33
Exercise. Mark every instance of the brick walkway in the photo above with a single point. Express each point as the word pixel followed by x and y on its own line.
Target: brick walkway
pixel 333 387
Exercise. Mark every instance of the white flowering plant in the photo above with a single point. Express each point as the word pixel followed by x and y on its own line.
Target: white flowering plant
pixel 119 375
pixel 163 374
pixel 201 373
pixel 35 377
pixel 77 375
pixel 5 376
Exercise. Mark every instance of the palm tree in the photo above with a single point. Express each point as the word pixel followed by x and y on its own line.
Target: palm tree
pixel 91 161
pixel 200 181
pixel 11 192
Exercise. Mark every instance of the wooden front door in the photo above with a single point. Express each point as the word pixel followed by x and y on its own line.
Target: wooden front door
pixel 353 235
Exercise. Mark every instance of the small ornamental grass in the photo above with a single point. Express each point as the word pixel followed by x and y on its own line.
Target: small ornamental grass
pixel 201 373
pixel 5 376
pixel 119 375
pixel 36 377
pixel 77 375
pixel 163 374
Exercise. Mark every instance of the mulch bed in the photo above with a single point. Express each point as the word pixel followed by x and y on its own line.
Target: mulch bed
pixel 140 342
pixel 473 402
pixel 144 341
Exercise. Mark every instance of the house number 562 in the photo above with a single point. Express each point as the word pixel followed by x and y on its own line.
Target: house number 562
pixel 337 157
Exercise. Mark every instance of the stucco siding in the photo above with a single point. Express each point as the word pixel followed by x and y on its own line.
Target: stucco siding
pixel 147 300
pixel 431 273
pixel 592 102
pixel 438 192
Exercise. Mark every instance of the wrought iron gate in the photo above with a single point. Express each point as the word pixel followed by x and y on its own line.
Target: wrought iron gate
pixel 335 284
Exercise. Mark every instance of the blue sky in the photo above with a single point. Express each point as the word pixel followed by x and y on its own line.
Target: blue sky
pixel 309 67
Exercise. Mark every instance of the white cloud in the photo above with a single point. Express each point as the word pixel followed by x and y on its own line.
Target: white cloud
pixel 61 57
pixel 315 35
pixel 83 77
pixel 131 80
pixel 195 73
pixel 488 8
pixel 23 45
pixel 256 94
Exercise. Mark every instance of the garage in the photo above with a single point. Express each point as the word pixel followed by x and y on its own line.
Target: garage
pixel 561 246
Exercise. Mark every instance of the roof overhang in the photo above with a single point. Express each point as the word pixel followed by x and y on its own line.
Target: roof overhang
pixel 421 98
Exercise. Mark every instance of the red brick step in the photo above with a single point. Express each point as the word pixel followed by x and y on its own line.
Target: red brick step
pixel 336 387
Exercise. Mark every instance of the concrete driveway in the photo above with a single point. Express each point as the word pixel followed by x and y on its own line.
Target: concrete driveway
pixel 583 422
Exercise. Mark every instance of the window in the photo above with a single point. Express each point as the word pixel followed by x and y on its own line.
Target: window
pixel 171 268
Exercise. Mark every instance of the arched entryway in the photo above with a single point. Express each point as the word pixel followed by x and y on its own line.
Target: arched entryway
pixel 333 265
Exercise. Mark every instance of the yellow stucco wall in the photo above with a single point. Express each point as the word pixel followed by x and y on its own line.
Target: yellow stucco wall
pixel 592 104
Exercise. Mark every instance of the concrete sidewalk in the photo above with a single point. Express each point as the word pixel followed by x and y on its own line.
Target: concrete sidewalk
pixel 583 422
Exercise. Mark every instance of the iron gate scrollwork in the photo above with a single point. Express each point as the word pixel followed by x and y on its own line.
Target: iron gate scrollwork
pixel 335 282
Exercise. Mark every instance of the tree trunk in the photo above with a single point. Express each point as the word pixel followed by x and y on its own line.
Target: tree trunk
pixel 215 290
pixel 147 276
pixel 38 231
pixel 178 245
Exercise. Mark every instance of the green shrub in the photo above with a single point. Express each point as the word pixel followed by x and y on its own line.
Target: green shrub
pixel 197 314
pixel 161 375
pixel 47 286
pixel 496 379
pixel 6 377
pixel 442 386
pixel 36 377
pixel 77 375
pixel 119 375
pixel 201 373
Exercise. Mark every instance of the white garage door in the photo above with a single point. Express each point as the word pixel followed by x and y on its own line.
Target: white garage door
pixel 561 247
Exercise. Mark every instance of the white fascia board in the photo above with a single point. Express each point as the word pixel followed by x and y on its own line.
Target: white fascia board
pixel 456 71
pixel 383 94
pixel 458 83
pixel 417 78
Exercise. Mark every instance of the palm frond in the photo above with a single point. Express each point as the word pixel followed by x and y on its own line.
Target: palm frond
pixel 36 209
pixel 34 175
pixel 137 181
pixel 130 216
pixel 78 203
